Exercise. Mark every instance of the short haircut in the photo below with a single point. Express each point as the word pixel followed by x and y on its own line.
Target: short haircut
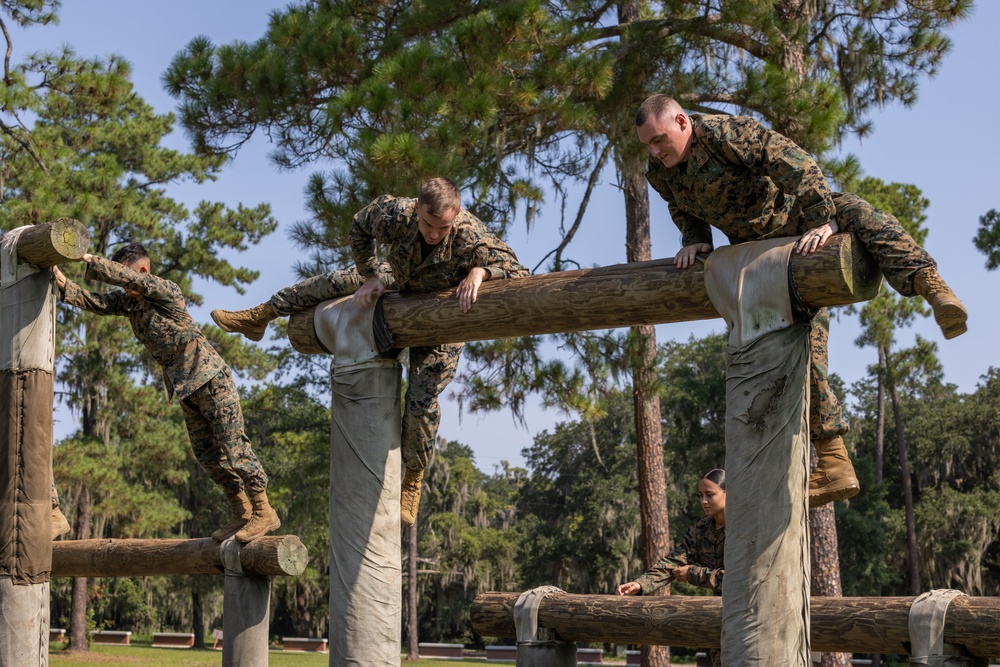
pixel 440 195
pixel 130 254
pixel 717 477
pixel 656 106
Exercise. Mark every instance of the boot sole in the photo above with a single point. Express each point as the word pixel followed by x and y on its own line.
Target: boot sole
pixel 840 490
pixel 951 317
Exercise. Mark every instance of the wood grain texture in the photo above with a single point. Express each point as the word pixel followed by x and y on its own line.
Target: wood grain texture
pixel 635 294
pixel 273 555
pixel 861 625
pixel 51 243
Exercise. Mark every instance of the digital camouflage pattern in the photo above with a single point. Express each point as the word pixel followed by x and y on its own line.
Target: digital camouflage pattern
pixel 191 367
pixel 392 222
pixel 753 183
pixel 214 420
pixel 703 549
pixel 159 320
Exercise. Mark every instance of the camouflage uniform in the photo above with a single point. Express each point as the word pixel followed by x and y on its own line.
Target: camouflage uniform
pixel 753 183
pixel 392 222
pixel 703 549
pixel 191 368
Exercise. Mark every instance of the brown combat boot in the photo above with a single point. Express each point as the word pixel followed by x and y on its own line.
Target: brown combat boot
pixel 409 499
pixel 263 520
pixel 948 310
pixel 60 526
pixel 241 514
pixel 833 479
pixel 251 323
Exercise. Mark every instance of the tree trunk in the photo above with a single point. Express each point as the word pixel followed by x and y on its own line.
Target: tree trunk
pixel 197 615
pixel 646 403
pixel 880 446
pixel 412 638
pixel 78 606
pixel 880 418
pixel 904 471
pixel 825 575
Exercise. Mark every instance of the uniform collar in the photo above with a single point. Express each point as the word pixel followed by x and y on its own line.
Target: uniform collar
pixel 699 153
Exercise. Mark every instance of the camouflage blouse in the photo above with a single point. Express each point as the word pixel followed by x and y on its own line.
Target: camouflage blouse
pixel 750 182
pixel 392 222
pixel 159 319
pixel 702 549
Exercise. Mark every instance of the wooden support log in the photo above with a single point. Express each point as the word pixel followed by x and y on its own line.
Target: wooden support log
pixel 622 295
pixel 50 243
pixel 839 625
pixel 272 555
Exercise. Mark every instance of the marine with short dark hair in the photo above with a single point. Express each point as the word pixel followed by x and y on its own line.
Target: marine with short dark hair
pixel 192 370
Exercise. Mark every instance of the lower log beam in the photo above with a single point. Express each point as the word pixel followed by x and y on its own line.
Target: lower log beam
pixel 839 625
pixel 273 555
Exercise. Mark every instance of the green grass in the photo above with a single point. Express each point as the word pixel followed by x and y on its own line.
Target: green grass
pixel 145 655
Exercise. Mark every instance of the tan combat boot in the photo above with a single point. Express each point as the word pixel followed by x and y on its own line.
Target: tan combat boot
pixel 409 499
pixel 251 323
pixel 948 310
pixel 833 479
pixel 263 520
pixel 60 526
pixel 241 514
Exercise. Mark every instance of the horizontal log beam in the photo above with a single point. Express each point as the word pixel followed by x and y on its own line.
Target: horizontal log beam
pixel 55 242
pixel 839 625
pixel 273 555
pixel 622 295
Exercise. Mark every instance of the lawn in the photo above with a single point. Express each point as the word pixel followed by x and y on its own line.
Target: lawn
pixel 144 655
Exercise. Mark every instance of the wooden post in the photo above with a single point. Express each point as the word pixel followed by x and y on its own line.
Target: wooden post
pixel 51 243
pixel 281 555
pixel 860 625
pixel 633 294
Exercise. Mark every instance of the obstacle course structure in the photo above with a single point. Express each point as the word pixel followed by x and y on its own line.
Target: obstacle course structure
pixel 852 624
pixel 28 557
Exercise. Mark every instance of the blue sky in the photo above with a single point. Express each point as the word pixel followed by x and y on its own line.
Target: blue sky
pixel 946 144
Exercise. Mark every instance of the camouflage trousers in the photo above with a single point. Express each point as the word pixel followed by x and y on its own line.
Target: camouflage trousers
pixel 899 259
pixel 431 369
pixel 214 421
pixel 826 417
pixel 898 255
pixel 313 291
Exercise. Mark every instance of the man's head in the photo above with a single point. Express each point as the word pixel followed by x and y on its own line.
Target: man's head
pixel 438 204
pixel 135 257
pixel 665 129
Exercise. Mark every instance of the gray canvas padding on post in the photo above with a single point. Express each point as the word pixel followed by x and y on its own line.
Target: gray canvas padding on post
pixel 27 311
pixel 926 625
pixel 245 611
pixel 761 306
pixel 765 597
pixel 365 479
pixel 537 648
pixel 27 357
pixel 24 624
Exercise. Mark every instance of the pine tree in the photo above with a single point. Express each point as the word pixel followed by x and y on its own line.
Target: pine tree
pixel 81 144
